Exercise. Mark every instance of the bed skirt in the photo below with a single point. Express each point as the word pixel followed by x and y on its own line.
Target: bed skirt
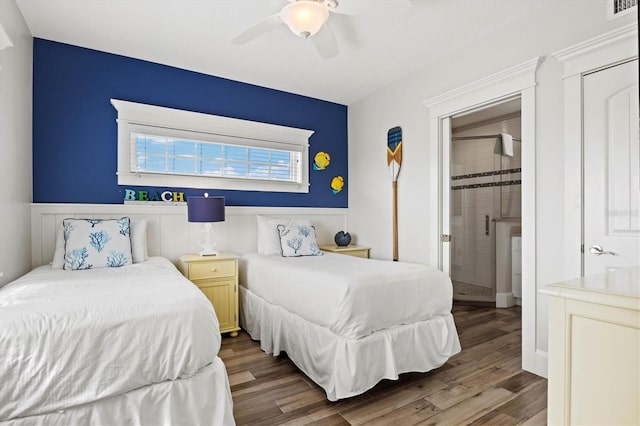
pixel 346 367
pixel 202 399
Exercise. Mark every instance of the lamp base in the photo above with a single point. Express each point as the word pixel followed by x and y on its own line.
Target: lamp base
pixel 207 246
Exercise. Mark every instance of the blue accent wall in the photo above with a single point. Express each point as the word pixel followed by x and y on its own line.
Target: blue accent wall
pixel 75 131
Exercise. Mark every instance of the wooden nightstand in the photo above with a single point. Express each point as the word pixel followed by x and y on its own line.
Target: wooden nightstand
pixel 352 250
pixel 217 277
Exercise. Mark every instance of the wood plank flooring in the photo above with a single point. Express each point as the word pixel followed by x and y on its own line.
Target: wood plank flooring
pixel 482 385
pixel 473 293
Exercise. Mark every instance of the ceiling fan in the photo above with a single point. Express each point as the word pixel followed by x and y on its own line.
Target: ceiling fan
pixel 308 19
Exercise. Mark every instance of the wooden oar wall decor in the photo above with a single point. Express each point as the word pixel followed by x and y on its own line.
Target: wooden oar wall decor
pixel 394 161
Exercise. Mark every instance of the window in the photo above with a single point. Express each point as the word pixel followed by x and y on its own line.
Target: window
pixel 197 150
pixel 228 157
pixel 618 8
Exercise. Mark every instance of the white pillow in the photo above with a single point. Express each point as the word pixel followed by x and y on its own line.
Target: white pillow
pixel 298 240
pixel 96 243
pixel 138 243
pixel 139 240
pixel 58 254
pixel 268 237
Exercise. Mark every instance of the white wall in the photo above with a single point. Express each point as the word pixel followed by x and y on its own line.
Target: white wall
pixel 542 33
pixel 15 145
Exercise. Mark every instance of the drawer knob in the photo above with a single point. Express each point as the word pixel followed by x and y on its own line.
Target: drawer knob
pixel 214 270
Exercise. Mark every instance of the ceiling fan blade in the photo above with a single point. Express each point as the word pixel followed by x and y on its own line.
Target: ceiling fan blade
pixel 371 7
pixel 258 29
pixel 325 43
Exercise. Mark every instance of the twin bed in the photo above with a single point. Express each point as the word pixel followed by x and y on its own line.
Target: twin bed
pixel 138 344
pixel 348 322
pixel 130 345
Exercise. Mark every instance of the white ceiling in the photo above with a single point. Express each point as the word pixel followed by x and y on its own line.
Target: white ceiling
pixel 375 50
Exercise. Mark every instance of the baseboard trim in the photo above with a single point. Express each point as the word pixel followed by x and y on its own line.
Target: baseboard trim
pixel 505 300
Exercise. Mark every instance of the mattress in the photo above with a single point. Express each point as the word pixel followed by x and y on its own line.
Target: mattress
pixel 352 297
pixel 73 337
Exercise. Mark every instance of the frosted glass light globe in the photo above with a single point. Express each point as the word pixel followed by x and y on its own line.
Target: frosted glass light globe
pixel 304 17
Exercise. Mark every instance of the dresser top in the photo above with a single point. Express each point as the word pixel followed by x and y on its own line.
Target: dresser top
pixel 620 288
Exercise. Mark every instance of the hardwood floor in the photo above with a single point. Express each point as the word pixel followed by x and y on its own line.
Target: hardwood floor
pixel 482 385
pixel 473 293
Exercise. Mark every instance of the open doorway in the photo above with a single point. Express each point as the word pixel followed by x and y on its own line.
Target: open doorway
pixel 486 205
pixel 517 81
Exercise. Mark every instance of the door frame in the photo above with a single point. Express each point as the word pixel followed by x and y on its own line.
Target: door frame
pixel 517 81
pixel 605 50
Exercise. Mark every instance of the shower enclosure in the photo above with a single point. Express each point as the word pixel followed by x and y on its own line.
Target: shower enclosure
pixel 485 200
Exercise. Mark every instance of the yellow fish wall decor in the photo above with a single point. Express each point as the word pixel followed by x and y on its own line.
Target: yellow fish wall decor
pixel 321 160
pixel 337 183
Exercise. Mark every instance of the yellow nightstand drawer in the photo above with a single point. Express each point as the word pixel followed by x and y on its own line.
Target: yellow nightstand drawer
pixel 205 270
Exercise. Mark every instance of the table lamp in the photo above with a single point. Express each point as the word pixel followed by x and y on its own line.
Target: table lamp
pixel 206 210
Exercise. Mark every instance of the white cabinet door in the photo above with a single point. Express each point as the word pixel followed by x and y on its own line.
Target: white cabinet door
pixel 611 169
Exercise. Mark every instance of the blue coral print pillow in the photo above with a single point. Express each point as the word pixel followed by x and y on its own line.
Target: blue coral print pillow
pixel 298 240
pixel 96 243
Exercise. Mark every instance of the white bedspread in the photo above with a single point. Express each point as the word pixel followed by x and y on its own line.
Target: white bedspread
pixel 72 337
pixel 202 399
pixel 352 297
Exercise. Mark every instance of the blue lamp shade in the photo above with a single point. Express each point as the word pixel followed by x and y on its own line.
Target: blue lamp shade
pixel 205 209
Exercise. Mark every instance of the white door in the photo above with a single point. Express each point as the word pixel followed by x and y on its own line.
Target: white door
pixel 611 166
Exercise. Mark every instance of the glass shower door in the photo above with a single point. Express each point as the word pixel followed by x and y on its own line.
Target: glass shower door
pixel 474 198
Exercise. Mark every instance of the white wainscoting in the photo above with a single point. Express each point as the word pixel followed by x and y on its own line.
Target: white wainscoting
pixel 169 234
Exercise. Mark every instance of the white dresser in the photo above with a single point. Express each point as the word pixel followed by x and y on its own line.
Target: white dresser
pixel 594 350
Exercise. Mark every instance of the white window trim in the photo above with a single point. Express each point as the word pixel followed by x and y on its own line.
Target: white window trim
pixel 262 135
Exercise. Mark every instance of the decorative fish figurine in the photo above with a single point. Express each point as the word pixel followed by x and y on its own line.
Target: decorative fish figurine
pixel 337 183
pixel 321 161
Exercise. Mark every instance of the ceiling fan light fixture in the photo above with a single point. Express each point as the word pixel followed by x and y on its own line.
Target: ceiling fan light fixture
pixel 304 17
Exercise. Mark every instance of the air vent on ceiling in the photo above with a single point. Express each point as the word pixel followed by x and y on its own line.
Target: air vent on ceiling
pixel 617 8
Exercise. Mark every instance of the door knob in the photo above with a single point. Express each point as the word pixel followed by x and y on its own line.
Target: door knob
pixel 598 251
